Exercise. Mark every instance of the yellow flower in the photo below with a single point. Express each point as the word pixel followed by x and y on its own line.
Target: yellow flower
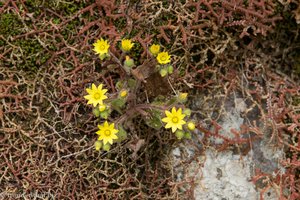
pixel 163 58
pixel 174 119
pixel 154 49
pixel 101 46
pixel 126 44
pixel 107 132
pixel 96 95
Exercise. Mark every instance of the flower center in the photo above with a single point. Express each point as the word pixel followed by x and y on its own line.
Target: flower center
pixel 97 95
pixel 102 47
pixel 163 58
pixel 175 119
pixel 107 132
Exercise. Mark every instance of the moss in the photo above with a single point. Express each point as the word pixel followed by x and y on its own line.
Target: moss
pixel 295 100
pixel 296 65
pixel 120 23
pixel 285 37
pixel 10 25
pixel 65 8
pixel 33 55
pixel 136 52
pixel 70 29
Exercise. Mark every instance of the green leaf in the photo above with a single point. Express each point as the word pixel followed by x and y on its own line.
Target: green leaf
pixel 122 134
pixel 171 101
pixel 96 112
pixel 117 104
pixel 155 120
pixel 104 114
pixel 103 56
pixel 131 83
pixel 119 85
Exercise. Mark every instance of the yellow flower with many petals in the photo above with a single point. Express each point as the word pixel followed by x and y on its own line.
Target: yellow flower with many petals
pixel 107 132
pixel 101 46
pixel 154 49
pixel 126 45
pixel 96 95
pixel 163 58
pixel 174 119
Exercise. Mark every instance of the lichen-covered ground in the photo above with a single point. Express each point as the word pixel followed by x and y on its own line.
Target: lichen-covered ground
pixel 238 60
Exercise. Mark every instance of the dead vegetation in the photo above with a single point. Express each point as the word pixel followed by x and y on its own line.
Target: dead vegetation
pixel 219 49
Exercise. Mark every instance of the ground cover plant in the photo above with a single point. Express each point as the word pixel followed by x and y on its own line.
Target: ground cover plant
pixel 154 74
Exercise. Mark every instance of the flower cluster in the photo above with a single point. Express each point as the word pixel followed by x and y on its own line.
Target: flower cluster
pixel 163 59
pixel 107 132
pixel 122 102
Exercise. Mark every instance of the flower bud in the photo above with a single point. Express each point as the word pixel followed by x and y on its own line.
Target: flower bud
pixel 188 135
pixel 129 62
pixel 170 69
pixel 102 107
pixel 123 93
pixel 163 72
pixel 98 144
pixel 182 97
pixel 187 112
pixel 191 126
pixel 106 147
pixel 179 134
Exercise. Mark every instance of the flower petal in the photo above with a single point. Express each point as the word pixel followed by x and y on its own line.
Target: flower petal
pixel 168 125
pixel 168 113
pixel 179 111
pixel 166 119
pixel 89 90
pixel 88 97
pixel 100 87
pixel 105 124
pixel 174 129
pixel 113 136
pixel 174 111
pixel 114 131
